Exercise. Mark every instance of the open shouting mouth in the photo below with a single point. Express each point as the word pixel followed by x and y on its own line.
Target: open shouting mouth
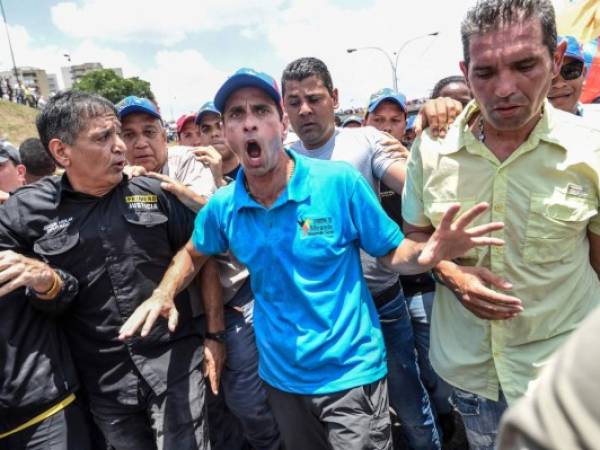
pixel 254 152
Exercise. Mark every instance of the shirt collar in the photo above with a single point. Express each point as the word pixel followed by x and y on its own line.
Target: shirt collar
pixel 297 189
pixel 460 136
pixel 66 189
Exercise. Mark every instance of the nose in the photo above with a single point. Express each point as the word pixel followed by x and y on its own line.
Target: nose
pixel 304 109
pixel 250 123
pixel 119 146
pixel 505 84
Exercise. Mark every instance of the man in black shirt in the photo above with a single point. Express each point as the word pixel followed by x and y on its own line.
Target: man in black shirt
pixel 38 407
pixel 117 238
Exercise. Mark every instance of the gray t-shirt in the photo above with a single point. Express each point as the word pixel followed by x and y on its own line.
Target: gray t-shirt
pixel 183 167
pixel 362 148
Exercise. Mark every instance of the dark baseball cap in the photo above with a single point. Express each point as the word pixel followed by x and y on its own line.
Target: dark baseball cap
pixel 8 152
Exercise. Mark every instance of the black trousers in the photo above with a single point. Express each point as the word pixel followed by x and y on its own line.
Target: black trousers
pixel 65 430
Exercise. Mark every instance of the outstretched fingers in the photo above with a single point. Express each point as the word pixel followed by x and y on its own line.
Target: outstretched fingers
pixel 470 215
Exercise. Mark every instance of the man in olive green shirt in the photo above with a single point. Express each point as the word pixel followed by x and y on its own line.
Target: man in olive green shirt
pixel 539 169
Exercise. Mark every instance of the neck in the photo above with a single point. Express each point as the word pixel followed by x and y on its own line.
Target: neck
pixel 504 143
pixel 265 189
pixel 322 142
pixel 95 191
pixel 231 163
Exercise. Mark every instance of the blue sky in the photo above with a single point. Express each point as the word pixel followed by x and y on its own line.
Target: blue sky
pixel 186 48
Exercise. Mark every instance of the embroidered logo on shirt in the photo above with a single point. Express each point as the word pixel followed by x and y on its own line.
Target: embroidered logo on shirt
pixel 322 226
pixel 53 227
pixel 576 190
pixel 143 202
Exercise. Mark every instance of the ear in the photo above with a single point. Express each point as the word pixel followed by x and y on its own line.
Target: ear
pixel 60 152
pixel 557 58
pixel 21 170
pixel 336 98
pixel 465 71
pixel 285 123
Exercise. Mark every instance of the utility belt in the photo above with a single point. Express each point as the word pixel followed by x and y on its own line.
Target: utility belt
pixel 387 295
pixel 42 416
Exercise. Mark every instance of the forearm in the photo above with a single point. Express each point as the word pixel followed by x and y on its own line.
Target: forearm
pixel 395 176
pixel 183 268
pixel 212 296
pixel 404 258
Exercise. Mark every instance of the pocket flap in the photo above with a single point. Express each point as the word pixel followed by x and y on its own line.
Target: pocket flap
pixel 146 219
pixel 57 244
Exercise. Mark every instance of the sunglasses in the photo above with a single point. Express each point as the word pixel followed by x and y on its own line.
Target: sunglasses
pixel 572 70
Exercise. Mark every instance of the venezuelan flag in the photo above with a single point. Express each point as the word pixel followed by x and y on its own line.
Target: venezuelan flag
pixel 581 18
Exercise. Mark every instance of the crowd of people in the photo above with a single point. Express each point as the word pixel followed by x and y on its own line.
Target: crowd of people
pixel 278 280
pixel 20 93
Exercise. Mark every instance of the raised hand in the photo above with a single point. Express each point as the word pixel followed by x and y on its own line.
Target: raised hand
pixel 211 158
pixel 437 114
pixel 452 239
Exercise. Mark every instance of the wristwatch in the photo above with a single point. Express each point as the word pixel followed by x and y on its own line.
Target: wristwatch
pixel 218 336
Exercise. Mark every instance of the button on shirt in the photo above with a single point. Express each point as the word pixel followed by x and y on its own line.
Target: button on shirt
pixel 118 247
pixel 547 195
pixel 316 326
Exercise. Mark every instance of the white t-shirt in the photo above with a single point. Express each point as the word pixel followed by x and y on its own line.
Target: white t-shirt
pixel 362 148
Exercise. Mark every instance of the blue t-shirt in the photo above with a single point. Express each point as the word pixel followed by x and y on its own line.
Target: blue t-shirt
pixel 316 326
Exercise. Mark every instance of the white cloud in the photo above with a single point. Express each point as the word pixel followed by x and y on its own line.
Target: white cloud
pixel 386 24
pixel 182 81
pixel 166 23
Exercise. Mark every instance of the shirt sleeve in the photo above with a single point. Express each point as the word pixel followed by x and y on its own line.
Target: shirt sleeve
pixel 413 209
pixel 194 175
pixel 208 237
pixel 13 234
pixel 381 159
pixel 181 221
pixel 594 225
pixel 378 234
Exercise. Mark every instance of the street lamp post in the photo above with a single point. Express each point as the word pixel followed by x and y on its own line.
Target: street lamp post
pixel 12 55
pixel 394 62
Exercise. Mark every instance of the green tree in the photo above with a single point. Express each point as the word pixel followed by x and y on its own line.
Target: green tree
pixel 111 86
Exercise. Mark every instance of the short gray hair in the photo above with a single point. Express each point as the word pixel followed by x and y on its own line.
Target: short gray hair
pixel 489 15
pixel 66 115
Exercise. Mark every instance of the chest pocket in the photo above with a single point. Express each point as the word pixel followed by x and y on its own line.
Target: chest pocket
pixel 55 245
pixel 435 211
pixel 555 225
pixel 146 218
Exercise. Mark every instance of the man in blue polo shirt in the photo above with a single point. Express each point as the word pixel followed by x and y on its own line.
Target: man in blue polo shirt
pixel 298 225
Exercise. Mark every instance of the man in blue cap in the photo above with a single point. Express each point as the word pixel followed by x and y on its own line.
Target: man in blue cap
pixel 297 223
pixel 243 392
pixel 567 85
pixel 310 101
pixel 428 408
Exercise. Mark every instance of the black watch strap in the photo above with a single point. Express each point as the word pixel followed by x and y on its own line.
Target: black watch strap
pixel 218 336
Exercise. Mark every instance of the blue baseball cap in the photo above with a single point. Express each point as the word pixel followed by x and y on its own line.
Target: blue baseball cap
pixel 208 107
pixel 351 119
pixel 133 104
pixel 574 49
pixel 386 94
pixel 247 78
